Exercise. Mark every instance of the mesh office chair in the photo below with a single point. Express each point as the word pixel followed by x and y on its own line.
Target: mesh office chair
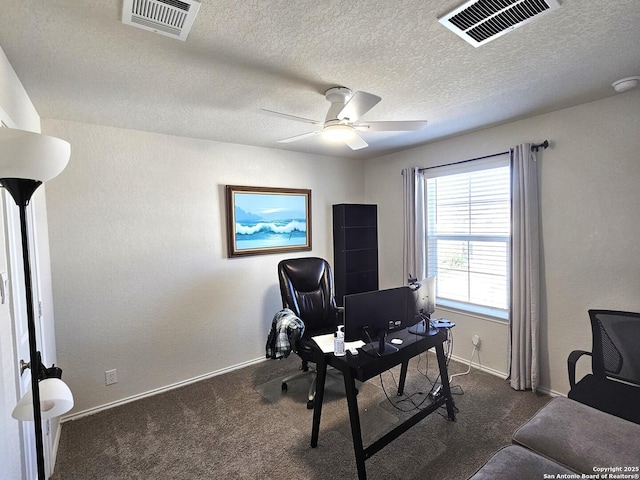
pixel 306 287
pixel 614 384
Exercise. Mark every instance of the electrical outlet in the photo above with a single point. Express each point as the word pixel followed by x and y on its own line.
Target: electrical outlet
pixel 476 341
pixel 110 377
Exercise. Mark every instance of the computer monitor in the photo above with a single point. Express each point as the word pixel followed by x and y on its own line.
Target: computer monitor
pixel 369 316
pixel 422 305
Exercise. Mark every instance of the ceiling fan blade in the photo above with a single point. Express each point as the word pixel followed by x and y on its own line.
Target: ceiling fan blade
pixel 291 117
pixel 400 126
pixel 359 104
pixel 298 137
pixel 356 143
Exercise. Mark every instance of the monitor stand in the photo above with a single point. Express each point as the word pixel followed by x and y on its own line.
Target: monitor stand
pixel 423 328
pixel 381 347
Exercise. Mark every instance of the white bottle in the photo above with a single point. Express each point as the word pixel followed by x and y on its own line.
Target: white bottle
pixel 338 342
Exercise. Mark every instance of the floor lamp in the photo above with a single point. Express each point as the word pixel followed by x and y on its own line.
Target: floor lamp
pixel 27 160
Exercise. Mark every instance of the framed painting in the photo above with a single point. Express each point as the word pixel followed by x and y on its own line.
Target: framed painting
pixel 267 220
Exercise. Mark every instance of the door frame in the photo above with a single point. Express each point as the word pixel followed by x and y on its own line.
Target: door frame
pixel 17 308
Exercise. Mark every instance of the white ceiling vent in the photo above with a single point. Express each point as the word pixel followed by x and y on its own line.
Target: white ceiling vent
pixel 480 21
pixel 173 18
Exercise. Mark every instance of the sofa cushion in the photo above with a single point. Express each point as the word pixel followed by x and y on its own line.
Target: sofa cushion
pixel 514 461
pixel 580 437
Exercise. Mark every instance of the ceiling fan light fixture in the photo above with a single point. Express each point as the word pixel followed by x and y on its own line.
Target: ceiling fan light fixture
pixel 338 133
pixel 341 121
pixel 625 84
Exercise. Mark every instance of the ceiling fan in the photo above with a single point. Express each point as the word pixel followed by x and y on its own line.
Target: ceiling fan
pixel 340 124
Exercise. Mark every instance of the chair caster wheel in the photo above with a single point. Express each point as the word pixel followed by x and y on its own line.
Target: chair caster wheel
pixel 310 405
pixel 284 386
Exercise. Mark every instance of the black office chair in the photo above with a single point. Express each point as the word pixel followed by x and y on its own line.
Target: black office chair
pixel 306 287
pixel 614 384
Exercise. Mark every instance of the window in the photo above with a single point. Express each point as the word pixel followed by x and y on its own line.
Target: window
pixel 468 233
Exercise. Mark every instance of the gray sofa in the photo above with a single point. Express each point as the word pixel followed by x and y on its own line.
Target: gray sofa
pixel 567 439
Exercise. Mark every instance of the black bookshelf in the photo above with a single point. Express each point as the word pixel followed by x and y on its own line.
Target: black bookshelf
pixel 355 249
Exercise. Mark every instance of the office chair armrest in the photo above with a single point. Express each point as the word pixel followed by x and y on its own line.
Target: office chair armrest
pixel 571 365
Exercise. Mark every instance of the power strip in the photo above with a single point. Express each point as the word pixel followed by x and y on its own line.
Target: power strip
pixel 435 395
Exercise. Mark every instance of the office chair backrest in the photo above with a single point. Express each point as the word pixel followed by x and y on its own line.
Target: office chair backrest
pixel 616 342
pixel 306 286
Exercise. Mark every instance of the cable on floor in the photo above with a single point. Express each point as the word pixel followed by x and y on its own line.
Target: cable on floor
pixel 475 348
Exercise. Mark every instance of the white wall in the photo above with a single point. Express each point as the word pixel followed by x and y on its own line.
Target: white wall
pixel 142 282
pixel 141 278
pixel 590 199
pixel 14 100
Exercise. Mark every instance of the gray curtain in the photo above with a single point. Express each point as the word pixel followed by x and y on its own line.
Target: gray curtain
pixel 414 258
pixel 525 270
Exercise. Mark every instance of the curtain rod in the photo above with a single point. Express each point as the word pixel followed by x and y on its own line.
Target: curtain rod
pixel 535 147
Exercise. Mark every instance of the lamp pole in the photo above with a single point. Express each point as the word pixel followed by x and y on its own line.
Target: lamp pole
pixel 27 159
pixel 21 190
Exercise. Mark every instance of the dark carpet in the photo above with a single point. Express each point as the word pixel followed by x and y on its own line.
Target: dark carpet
pixel 242 426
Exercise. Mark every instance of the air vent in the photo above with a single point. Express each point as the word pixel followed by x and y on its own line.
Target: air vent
pixel 173 18
pixel 480 21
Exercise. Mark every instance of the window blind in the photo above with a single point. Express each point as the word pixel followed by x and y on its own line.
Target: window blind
pixel 468 234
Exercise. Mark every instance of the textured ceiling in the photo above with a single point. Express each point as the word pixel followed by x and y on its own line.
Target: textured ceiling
pixel 79 62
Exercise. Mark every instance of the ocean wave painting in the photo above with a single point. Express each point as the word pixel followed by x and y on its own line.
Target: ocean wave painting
pixel 271 234
pixel 264 221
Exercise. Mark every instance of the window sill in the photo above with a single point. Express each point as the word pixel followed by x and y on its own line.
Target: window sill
pixel 484 313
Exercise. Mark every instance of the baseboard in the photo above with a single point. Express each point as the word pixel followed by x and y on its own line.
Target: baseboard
pixel 107 406
pixel 504 376
pixel 481 367
pixel 551 393
pixel 150 393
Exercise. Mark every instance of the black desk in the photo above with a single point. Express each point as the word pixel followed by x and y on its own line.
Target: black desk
pixel 363 367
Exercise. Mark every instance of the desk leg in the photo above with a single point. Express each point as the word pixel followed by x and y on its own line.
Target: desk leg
pixel 321 368
pixel 403 376
pixel 354 418
pixel 444 377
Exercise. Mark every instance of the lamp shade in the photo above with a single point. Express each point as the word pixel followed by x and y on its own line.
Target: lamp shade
pixel 31 156
pixel 55 399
